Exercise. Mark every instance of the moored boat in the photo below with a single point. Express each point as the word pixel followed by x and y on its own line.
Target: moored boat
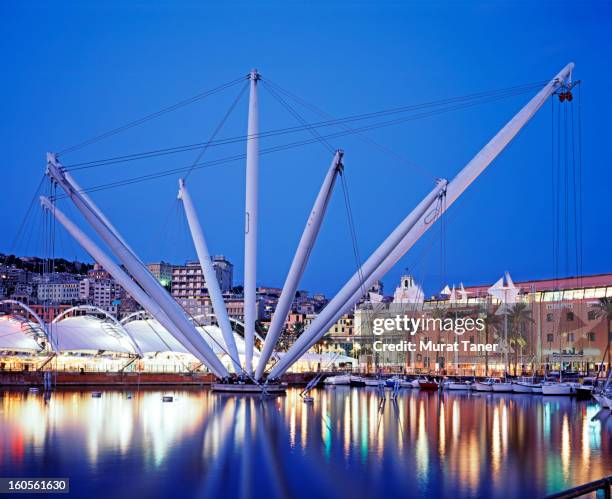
pixel 522 387
pixel 457 385
pixel 340 379
pixel 375 382
pixel 554 388
pixel 357 381
pixel 484 386
pixel 502 386
pixel 428 384
pixel 585 390
pixel 406 383
pixel 390 382
pixel 526 385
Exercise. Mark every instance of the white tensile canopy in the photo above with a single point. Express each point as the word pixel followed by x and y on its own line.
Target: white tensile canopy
pixel 90 333
pixel 17 333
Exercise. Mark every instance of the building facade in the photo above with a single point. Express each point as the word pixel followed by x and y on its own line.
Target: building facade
pixel 189 286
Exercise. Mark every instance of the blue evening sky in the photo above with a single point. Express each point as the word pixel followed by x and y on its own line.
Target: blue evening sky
pixel 71 70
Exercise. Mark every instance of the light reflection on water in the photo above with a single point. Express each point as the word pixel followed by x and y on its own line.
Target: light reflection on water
pixel 343 445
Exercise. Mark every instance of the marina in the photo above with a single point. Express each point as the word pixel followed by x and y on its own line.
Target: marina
pixel 198 443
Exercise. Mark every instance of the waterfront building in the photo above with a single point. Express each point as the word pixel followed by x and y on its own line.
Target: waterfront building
pixel 189 286
pixel 162 271
pixel 558 324
pixel 58 292
pixel 101 293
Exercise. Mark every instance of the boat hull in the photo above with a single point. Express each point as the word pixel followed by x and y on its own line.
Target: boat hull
pixel 457 386
pixel 522 388
pixel 275 389
pixel 338 380
pixel 502 387
pixel 357 381
pixel 483 387
pixel 556 389
pixel 428 385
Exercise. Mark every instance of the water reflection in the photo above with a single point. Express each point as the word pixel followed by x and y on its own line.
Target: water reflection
pixel 348 443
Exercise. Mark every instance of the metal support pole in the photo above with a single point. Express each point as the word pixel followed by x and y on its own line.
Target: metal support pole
pixel 250 228
pixel 140 273
pixel 210 275
pixel 356 285
pixel 454 189
pixel 119 275
pixel 300 259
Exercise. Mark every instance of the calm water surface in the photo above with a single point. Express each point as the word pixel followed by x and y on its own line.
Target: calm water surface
pixel 344 445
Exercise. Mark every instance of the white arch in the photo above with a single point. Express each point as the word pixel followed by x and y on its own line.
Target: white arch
pixel 133 315
pixel 41 323
pixel 93 308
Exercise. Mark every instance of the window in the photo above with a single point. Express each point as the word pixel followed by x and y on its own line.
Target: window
pixel 471 339
pixel 592 315
pixel 550 338
pixel 425 361
pixel 419 357
pixel 570 336
pixel 549 317
pixel 570 316
pixel 591 336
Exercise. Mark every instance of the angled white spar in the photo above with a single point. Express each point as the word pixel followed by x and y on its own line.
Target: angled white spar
pixel 355 285
pixel 250 224
pixel 124 280
pixel 344 299
pixel 210 276
pixel 97 210
pixel 140 273
pixel 309 236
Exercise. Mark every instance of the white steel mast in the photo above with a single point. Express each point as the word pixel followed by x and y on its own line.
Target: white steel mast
pixel 464 178
pixel 210 275
pixel 250 221
pixel 141 274
pixel 309 236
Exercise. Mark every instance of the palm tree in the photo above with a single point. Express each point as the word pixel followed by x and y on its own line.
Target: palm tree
pixel 491 321
pixel 520 317
pixel 604 310
pixel 440 312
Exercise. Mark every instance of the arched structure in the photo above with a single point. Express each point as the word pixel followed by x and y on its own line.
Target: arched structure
pixel 37 318
pixel 98 310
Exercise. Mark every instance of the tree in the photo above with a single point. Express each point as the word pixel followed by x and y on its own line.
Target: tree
pixel 519 318
pixel 491 321
pixel 290 335
pixel 604 310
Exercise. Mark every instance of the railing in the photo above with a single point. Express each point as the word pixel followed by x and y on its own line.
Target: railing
pixel 588 488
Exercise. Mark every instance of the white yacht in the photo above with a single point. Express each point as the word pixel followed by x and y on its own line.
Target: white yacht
pixel 457 385
pixel 555 388
pixel 526 385
pixel 340 379
pixel 502 386
pixel 484 386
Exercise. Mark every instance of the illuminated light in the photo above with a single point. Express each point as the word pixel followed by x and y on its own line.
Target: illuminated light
pixel 565 447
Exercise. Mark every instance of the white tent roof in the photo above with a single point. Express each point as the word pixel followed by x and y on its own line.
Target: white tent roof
pixel 144 333
pixel 152 337
pixel 15 334
pixel 90 333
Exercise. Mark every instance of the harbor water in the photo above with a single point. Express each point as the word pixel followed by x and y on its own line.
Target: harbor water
pixel 349 442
